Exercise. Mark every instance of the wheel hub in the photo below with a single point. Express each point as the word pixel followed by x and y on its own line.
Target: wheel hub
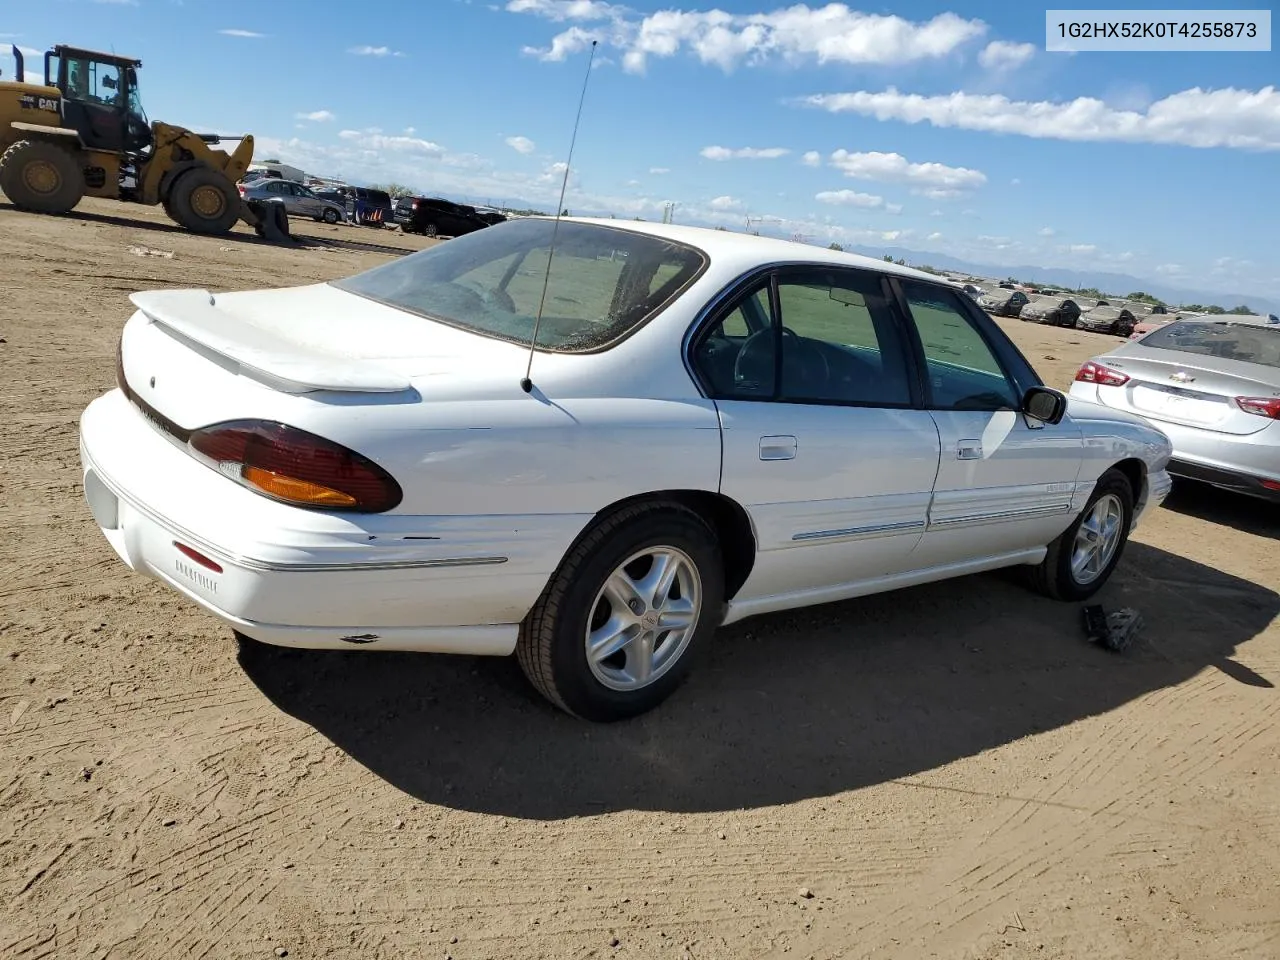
pixel 1097 539
pixel 208 202
pixel 643 618
pixel 41 177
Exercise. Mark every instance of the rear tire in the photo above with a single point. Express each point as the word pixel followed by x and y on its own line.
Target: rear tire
pixel 582 606
pixel 1080 562
pixel 41 177
pixel 204 201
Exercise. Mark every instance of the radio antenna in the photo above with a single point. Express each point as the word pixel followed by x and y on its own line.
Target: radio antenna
pixel 526 384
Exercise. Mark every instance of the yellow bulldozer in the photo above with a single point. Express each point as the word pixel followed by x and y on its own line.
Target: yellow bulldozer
pixel 80 130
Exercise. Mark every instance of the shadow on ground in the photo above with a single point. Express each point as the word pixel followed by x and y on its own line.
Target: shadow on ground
pixel 786 708
pixel 1246 514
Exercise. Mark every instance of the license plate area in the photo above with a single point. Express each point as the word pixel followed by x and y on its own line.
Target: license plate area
pixel 1176 404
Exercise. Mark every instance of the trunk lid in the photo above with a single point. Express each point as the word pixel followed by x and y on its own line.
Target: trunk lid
pixel 1191 390
pixel 196 358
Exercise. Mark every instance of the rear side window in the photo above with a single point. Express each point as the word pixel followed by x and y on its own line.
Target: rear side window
pixel 1246 342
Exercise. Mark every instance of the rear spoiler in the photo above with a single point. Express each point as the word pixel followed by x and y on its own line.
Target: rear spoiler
pixel 290 367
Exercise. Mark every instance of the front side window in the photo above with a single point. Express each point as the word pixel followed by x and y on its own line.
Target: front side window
pixel 835 341
pixel 963 371
pixel 599 289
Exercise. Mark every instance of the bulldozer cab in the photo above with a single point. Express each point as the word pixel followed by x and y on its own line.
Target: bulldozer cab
pixel 100 99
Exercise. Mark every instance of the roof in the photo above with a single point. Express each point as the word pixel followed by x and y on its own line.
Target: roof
pixel 63 51
pixel 1252 319
pixel 748 248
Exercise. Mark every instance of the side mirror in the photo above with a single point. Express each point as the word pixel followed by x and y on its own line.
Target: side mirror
pixel 1044 404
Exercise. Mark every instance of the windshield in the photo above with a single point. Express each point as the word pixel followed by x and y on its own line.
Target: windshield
pixel 135 99
pixel 1247 342
pixel 603 282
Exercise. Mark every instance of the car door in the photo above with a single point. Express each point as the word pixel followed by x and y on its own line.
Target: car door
pixel 821 442
pixel 308 203
pixel 1006 481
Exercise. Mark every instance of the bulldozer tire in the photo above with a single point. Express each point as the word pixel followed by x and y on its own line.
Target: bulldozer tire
pixel 204 201
pixel 41 177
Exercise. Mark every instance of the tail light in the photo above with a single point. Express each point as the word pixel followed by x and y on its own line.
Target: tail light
pixel 1103 376
pixel 240 187
pixel 1260 406
pixel 295 466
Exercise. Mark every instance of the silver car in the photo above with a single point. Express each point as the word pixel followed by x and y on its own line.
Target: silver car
pixel 298 200
pixel 1212 385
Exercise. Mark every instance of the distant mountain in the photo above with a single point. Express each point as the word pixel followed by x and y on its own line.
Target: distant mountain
pixel 1117 284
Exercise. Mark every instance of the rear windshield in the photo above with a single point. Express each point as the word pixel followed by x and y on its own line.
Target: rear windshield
pixel 1247 342
pixel 603 282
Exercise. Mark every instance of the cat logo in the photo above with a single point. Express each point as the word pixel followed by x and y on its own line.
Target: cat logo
pixel 29 101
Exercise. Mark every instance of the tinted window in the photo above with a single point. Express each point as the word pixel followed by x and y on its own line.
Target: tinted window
pixel 963 372
pixel 838 338
pixel 719 350
pixel 840 341
pixel 491 282
pixel 1246 342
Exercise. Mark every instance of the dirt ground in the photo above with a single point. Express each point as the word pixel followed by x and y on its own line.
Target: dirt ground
pixel 950 771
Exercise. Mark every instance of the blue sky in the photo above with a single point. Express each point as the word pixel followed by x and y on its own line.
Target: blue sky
pixel 931 127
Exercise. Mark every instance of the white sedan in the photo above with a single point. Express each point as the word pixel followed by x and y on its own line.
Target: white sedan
pixel 713 426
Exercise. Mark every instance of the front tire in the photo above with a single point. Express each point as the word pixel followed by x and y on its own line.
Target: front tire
pixel 41 177
pixel 618 626
pixel 204 201
pixel 1082 559
pixel 330 215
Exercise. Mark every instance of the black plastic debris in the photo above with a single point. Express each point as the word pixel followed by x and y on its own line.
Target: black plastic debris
pixel 1116 631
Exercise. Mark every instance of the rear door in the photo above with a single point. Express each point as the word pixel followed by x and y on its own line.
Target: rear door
pixel 822 443
pixel 1006 482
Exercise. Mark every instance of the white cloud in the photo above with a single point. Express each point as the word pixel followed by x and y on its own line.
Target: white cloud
pixel 317 116
pixel 743 153
pixel 1169 268
pixel 248 34
pixel 1005 55
pixel 829 34
pixel 1124 257
pixel 1083 249
pixel 521 144
pixel 409 131
pixel 934 236
pixel 850 198
pixel 659 171
pixel 726 204
pixel 812 159
pixel 1046 231
pixel 935 213
pixel 1015 182
pixel 566 9
pixel 934 180
pixel 1238 119
pixel 372 139
pixel 367 51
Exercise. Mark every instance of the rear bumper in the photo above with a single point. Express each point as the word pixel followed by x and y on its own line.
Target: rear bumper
pixel 1226 479
pixel 303 578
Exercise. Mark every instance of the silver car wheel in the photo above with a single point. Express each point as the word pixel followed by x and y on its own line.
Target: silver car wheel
pixel 1096 539
pixel 643 618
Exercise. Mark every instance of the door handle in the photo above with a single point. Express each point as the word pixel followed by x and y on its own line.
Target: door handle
pixel 969 450
pixel 778 448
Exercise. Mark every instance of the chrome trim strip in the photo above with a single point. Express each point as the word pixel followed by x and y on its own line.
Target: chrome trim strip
pixel 1026 513
pixel 250 563
pixel 858 532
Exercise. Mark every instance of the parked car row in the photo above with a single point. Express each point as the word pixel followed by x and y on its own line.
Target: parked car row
pixel 437 217
pixel 429 216
pixel 1115 317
